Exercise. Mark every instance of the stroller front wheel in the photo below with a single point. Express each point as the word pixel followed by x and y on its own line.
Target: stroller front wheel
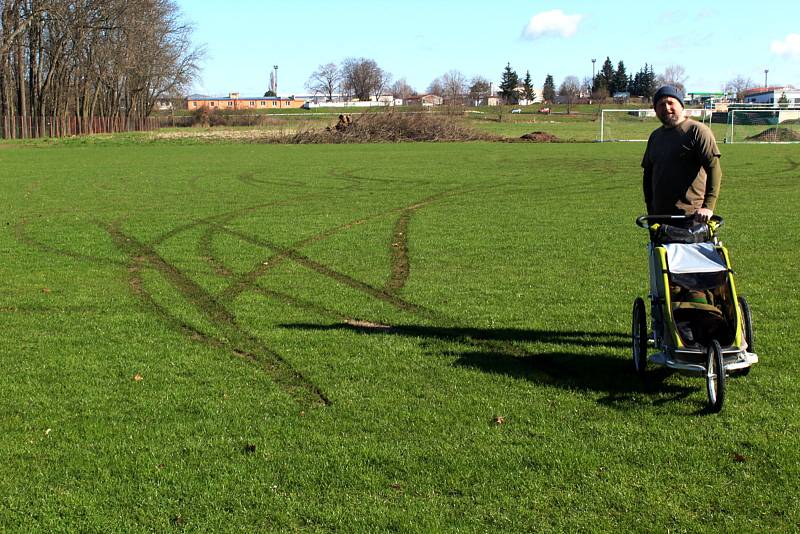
pixel 715 377
pixel 639 336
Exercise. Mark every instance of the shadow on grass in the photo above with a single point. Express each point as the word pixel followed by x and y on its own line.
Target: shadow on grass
pixel 502 351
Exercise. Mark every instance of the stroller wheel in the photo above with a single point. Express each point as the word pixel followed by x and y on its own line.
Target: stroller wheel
pixel 715 377
pixel 639 336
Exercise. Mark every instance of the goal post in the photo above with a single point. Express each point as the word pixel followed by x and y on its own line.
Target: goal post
pixel 764 125
pixel 634 125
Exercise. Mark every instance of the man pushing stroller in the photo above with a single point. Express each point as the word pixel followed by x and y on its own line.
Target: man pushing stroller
pixel 682 173
pixel 700 324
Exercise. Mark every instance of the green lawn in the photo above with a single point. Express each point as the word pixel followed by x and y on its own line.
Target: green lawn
pixel 411 337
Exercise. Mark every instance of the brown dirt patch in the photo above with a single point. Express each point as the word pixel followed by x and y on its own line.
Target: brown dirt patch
pixel 776 134
pixel 540 137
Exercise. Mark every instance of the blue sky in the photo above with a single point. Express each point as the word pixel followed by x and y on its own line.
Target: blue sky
pixel 422 39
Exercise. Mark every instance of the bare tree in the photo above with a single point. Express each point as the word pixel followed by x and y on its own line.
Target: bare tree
pixel 382 82
pixel 674 75
pixel 454 85
pixel 89 57
pixel 362 77
pixel 586 85
pixel 436 87
pixel 324 80
pixel 401 89
pixel 738 86
pixel 479 87
pixel 569 90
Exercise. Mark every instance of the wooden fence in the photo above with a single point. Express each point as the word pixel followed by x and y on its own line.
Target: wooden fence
pixel 26 127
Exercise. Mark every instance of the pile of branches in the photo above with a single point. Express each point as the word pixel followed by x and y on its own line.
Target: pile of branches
pixel 393 127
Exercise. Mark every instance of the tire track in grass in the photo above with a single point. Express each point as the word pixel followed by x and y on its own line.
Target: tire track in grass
pixel 249 178
pixel 400 260
pixel 182 228
pixel 400 270
pixel 287 253
pixel 240 342
pixel 399 266
pixel 22 236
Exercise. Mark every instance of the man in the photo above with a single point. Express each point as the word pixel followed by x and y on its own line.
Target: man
pixel 682 173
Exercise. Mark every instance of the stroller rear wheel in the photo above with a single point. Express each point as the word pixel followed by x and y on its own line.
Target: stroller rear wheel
pixel 715 377
pixel 639 336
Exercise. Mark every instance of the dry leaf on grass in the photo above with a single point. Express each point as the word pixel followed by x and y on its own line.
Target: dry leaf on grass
pixel 137 377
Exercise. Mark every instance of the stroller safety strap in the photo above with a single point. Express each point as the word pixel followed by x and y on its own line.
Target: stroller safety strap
pixel 694 258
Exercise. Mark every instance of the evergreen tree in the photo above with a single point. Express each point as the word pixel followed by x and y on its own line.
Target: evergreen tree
pixel 636 84
pixel 549 89
pixel 508 85
pixel 648 82
pixel 607 74
pixel 527 87
pixel 620 80
pixel 643 84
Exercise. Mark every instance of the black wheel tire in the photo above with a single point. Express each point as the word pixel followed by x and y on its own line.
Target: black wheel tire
pixel 715 377
pixel 639 336
pixel 747 323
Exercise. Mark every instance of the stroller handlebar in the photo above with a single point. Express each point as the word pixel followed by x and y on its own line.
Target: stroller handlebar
pixel 644 221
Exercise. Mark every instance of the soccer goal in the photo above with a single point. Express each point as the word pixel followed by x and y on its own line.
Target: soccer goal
pixel 766 125
pixel 637 124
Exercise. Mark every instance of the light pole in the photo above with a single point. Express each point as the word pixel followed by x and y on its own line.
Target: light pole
pixel 593 60
pixel 766 71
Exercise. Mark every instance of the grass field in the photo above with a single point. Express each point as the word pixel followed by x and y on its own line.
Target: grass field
pixel 411 337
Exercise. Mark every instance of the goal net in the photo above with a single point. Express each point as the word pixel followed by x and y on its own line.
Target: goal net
pixel 637 124
pixel 763 126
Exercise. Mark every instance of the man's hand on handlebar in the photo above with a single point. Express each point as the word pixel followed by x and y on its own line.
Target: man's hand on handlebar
pixel 703 214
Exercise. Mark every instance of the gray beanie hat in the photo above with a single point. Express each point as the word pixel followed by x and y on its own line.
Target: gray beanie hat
pixel 668 90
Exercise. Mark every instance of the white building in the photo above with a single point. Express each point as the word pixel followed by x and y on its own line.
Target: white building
pixel 772 95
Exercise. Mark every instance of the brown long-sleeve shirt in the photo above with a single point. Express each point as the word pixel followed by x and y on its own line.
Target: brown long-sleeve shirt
pixel 681 169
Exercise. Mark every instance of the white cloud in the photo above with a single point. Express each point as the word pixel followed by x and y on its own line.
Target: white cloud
pixel 554 22
pixel 789 47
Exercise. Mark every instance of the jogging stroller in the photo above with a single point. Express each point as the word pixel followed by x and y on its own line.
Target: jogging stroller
pixel 700 326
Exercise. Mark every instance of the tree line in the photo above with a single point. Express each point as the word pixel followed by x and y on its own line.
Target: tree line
pixel 363 79
pixel 92 58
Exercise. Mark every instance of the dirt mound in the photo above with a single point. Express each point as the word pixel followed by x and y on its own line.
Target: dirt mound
pixel 776 134
pixel 540 137
pixel 394 127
